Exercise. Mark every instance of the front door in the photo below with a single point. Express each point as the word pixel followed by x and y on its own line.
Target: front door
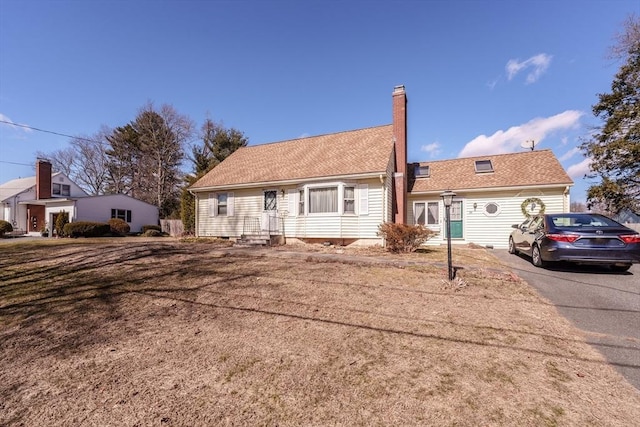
pixel 270 209
pixel 456 219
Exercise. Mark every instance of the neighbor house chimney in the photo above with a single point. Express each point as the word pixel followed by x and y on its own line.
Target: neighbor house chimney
pixel 400 141
pixel 43 180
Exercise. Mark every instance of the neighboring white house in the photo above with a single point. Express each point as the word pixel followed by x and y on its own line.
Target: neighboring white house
pixel 32 204
pixel 340 187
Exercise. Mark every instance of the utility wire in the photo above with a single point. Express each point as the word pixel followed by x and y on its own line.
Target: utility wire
pixel 52 132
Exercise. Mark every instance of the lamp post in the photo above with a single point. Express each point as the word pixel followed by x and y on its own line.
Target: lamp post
pixel 447 199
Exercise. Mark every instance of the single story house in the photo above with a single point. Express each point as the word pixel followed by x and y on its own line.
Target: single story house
pixel 32 204
pixel 340 187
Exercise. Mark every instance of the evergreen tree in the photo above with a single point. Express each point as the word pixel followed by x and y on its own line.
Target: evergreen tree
pixel 615 147
pixel 218 143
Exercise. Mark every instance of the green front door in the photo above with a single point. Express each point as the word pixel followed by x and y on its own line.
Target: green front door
pixel 456 219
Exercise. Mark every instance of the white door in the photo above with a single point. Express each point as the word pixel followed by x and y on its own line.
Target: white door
pixel 270 209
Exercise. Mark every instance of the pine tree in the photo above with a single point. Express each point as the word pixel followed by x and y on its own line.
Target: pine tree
pixel 614 148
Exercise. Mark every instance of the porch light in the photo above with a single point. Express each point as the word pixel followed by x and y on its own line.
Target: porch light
pixel 447 199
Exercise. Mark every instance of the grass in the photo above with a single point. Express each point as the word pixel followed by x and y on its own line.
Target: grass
pixel 162 332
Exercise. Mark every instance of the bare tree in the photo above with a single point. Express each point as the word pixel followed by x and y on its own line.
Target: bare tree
pixel 84 161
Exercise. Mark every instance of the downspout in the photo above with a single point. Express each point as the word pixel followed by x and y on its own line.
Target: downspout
pixel 566 200
pixel 195 213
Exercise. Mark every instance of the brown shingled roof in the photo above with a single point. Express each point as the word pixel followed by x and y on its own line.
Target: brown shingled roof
pixel 510 170
pixel 346 153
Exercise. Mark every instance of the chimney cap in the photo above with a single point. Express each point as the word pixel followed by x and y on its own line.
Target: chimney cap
pixel 398 88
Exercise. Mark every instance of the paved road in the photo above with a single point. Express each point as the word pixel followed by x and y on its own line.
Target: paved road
pixel 605 305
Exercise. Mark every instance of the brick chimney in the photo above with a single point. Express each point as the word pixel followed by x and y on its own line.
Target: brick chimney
pixel 400 141
pixel 43 179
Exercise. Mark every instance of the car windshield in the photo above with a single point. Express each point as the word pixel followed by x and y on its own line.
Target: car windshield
pixel 583 221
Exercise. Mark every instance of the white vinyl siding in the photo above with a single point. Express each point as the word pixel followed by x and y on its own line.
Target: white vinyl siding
pixel 248 204
pixel 482 229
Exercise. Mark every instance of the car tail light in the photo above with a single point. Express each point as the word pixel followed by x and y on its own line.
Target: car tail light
pixel 570 238
pixel 630 238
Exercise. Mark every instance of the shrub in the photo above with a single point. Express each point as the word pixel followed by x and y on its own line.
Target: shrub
pixel 61 220
pixel 404 238
pixel 119 226
pixel 5 227
pixel 152 233
pixel 86 229
pixel 148 227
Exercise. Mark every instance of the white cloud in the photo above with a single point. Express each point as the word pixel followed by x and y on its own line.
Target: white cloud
pixel 433 149
pixel 536 65
pixel 579 170
pixel 569 154
pixel 510 140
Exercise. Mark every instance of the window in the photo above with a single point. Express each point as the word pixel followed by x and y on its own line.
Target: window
pixel 123 214
pixel 61 189
pixel 484 166
pixel 222 204
pixel 323 200
pixel 491 209
pixel 430 216
pixel 349 200
pixel 270 200
pixel 421 171
pixel 301 202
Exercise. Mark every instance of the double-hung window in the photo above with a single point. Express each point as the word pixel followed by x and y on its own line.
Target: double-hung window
pixel 61 189
pixel 123 214
pixel 222 204
pixel 426 213
pixel 301 202
pixel 349 200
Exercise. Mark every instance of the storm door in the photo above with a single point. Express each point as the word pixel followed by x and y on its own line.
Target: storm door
pixel 269 210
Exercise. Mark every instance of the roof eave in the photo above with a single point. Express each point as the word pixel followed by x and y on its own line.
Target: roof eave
pixel 296 181
pixel 503 188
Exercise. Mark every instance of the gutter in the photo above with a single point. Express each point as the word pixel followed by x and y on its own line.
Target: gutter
pixel 485 189
pixel 284 182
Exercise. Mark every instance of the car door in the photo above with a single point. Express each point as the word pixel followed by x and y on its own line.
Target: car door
pixel 518 234
pixel 529 234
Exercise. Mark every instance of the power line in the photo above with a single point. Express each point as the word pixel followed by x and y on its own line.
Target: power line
pixel 14 163
pixel 52 132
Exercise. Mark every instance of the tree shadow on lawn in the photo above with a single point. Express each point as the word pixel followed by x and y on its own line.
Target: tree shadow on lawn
pixel 66 306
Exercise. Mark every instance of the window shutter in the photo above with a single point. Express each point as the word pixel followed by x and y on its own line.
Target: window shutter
pixel 293 203
pixel 230 203
pixel 213 204
pixel 363 206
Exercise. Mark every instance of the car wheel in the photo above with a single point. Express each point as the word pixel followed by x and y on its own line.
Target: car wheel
pixel 620 268
pixel 536 258
pixel 512 246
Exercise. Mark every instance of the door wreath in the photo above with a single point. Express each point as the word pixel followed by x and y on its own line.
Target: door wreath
pixel 532 201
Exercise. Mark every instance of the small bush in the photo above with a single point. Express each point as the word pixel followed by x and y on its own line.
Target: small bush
pixel 86 229
pixel 61 220
pixel 119 226
pixel 5 227
pixel 152 233
pixel 148 227
pixel 404 238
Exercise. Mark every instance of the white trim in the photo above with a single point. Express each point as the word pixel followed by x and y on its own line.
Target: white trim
pixel 305 181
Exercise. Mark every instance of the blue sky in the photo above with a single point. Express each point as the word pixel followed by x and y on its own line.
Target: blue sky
pixel 482 77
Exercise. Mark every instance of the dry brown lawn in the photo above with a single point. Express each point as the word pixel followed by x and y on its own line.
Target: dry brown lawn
pixel 135 332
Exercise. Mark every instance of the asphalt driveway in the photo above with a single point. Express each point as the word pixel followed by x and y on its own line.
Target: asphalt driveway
pixel 605 305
